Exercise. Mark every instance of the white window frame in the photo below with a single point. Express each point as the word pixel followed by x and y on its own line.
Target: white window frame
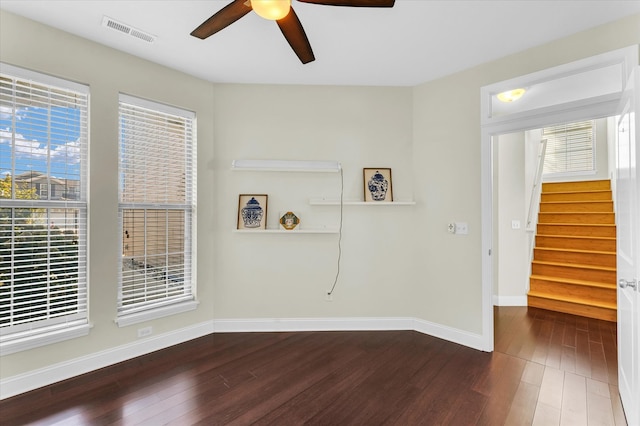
pixel 29 335
pixel 149 310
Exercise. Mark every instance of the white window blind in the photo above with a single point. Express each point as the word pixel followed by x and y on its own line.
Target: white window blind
pixel 43 207
pixel 157 207
pixel 570 148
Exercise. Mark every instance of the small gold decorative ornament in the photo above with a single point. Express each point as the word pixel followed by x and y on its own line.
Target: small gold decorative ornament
pixel 289 221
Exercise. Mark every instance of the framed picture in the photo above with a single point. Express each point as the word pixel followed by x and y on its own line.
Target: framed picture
pixel 377 184
pixel 252 211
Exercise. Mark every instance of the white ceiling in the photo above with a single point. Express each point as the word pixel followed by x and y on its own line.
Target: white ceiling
pixel 414 42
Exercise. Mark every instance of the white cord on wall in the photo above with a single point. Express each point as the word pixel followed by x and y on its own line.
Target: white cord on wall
pixel 335 281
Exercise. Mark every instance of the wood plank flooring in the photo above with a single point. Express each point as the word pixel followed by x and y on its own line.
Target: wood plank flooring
pixel 548 368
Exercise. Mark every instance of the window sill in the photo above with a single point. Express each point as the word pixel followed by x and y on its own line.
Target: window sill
pixel 550 177
pixel 155 313
pixel 44 337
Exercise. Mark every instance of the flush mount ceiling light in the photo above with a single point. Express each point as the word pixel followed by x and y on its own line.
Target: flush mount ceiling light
pixel 511 95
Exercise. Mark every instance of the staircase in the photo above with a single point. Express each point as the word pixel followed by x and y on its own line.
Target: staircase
pixel 574 262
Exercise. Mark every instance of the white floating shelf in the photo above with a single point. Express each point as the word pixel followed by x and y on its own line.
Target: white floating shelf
pixel 333 202
pixel 285 166
pixel 284 231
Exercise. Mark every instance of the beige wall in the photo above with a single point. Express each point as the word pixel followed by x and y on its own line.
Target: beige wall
pixel 287 276
pixel 396 261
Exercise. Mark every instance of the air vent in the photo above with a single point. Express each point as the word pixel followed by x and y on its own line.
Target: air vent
pixel 127 29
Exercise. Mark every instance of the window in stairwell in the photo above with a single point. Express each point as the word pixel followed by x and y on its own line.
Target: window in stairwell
pixel 570 148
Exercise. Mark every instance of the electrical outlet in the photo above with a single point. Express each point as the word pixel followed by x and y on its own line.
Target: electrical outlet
pixel 328 297
pixel 515 224
pixel 145 331
pixel 451 228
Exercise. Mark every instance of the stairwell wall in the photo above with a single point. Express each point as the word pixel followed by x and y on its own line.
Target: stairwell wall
pixel 512 194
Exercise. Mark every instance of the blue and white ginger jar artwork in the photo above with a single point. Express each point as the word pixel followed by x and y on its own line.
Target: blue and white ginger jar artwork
pixel 252 214
pixel 378 186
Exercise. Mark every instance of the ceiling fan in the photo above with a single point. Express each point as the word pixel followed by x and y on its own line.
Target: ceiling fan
pixel 281 12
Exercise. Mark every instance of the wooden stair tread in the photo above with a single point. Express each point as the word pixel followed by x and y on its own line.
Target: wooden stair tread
pixel 575 236
pixel 568 213
pixel 575 265
pixel 576 300
pixel 611 225
pixel 576 229
pixel 577 202
pixel 572 250
pixel 585 185
pixel 574 281
pixel 584 191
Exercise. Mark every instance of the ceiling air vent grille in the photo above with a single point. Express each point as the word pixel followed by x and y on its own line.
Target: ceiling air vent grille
pixel 127 29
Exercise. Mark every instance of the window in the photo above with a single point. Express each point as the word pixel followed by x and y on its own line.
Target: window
pixel 43 239
pixel 570 148
pixel 156 210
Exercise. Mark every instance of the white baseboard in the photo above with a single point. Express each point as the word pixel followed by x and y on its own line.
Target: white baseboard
pixel 509 300
pixel 310 324
pixel 348 324
pixel 454 335
pixel 21 383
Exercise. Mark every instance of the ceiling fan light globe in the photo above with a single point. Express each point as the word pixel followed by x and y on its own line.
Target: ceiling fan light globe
pixel 271 9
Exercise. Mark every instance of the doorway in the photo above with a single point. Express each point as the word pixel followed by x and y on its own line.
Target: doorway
pixel 516 198
pixel 545 110
pixel 551 105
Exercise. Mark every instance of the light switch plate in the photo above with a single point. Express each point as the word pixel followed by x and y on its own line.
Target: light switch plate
pixel 462 228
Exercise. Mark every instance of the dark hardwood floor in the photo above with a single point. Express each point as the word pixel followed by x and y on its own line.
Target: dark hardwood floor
pixel 547 369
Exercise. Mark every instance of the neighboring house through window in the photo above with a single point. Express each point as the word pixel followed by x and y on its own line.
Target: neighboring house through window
pixel 43 234
pixel 157 210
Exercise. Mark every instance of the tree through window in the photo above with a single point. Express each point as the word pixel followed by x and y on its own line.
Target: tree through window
pixel 43 226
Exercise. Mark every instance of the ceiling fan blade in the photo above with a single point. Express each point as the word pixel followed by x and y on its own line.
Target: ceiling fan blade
pixel 223 18
pixel 294 33
pixel 353 3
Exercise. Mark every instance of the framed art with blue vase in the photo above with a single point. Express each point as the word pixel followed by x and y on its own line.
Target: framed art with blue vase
pixel 377 184
pixel 252 211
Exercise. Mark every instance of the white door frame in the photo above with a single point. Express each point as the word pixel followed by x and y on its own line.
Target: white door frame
pixel 585 109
